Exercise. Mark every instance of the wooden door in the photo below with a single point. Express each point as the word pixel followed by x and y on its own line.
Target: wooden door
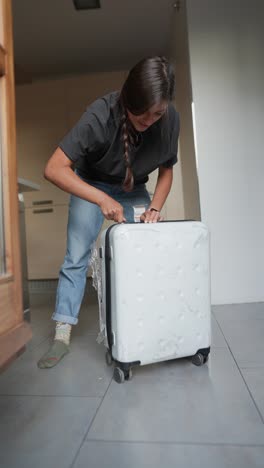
pixel 14 332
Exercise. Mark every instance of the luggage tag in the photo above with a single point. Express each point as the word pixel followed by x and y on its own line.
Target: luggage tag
pixel 138 210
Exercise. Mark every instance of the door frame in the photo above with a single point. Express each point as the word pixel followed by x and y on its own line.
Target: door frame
pixel 14 332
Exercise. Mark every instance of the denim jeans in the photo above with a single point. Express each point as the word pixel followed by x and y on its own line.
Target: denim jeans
pixel 84 224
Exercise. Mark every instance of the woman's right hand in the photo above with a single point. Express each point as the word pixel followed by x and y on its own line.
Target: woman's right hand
pixel 111 209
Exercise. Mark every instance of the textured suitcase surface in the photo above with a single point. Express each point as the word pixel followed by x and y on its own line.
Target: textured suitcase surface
pixel 156 290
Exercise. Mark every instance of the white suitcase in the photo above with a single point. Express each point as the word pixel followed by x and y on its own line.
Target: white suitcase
pixel 155 293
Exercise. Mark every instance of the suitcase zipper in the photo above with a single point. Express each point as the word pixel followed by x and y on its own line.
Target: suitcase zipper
pixel 108 257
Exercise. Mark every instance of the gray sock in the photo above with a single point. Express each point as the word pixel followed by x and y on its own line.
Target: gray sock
pixel 56 352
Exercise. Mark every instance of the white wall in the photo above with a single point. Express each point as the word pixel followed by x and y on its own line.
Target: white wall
pixel 178 54
pixel 227 73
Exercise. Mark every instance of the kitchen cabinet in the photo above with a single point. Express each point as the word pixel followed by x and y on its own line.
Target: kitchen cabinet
pixel 46 228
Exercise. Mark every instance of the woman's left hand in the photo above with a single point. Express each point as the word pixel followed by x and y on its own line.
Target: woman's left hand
pixel 151 216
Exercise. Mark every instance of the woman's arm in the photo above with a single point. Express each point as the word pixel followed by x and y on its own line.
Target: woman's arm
pixel 163 187
pixel 162 190
pixel 59 171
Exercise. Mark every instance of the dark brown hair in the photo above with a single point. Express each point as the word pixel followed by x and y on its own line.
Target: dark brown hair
pixel 149 82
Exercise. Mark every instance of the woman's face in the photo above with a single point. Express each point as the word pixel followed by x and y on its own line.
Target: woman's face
pixel 143 121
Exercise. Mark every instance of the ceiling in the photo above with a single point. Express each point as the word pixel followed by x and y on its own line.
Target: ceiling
pixel 52 38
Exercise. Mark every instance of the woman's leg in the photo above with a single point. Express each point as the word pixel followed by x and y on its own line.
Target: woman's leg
pixel 85 221
pixel 84 224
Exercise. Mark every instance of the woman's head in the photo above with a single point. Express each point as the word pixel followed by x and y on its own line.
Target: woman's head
pixel 144 97
pixel 149 83
pixel 143 121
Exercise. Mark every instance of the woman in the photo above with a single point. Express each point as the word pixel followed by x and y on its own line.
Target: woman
pixel 120 139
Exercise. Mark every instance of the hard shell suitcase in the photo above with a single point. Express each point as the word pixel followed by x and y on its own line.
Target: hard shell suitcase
pixel 155 293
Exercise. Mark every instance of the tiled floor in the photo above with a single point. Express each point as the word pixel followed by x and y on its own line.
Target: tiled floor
pixel 170 415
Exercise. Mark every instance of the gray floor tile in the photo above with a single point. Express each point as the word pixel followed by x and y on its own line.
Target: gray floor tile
pixel 253 310
pixel 245 338
pixel 164 417
pixel 112 455
pixel 176 401
pixel 37 432
pixel 83 372
pixel 88 320
pixel 39 334
pixel 255 382
pixel 41 317
pixel 218 339
pixel 41 324
pixel 46 299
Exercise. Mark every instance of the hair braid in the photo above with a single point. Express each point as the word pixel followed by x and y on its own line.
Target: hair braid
pixel 128 183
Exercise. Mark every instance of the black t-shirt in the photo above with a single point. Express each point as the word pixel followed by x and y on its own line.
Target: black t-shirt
pixel 95 143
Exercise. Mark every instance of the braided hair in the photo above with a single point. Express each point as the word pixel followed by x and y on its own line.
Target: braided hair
pixel 128 182
pixel 149 82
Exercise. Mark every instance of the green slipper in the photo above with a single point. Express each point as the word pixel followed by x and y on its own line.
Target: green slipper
pixel 54 354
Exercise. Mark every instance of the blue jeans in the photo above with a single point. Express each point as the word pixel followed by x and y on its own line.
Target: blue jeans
pixel 84 224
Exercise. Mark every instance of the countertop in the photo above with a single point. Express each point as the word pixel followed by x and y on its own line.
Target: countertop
pixel 25 185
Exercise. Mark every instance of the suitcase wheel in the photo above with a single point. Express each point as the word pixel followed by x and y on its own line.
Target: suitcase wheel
pixel 199 359
pixel 108 358
pixel 120 376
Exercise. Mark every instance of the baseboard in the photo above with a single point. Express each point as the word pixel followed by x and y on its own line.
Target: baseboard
pixel 48 285
pixel 43 285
